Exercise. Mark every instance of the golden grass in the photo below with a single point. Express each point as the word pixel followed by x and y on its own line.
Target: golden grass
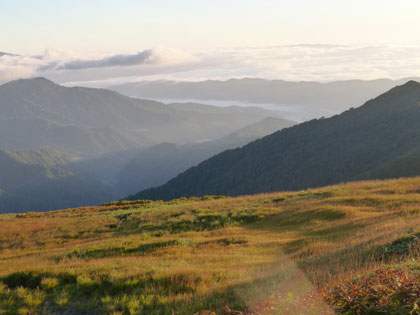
pixel 266 253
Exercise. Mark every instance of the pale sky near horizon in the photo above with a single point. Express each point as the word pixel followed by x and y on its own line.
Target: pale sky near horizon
pixel 220 27
pixel 32 26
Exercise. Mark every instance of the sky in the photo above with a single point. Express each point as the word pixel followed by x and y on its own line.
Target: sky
pixel 117 40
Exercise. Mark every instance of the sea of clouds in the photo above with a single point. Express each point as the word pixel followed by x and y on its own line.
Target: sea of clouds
pixel 287 62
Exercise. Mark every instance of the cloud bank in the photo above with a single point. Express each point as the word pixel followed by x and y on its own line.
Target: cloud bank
pixel 288 62
pixel 54 63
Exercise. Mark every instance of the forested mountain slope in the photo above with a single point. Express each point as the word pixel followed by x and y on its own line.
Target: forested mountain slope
pixel 377 140
pixel 156 165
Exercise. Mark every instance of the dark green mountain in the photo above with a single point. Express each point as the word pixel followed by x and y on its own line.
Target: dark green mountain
pixel 380 139
pixel 156 165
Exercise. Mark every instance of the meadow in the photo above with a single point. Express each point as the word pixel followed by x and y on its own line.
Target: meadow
pixel 350 249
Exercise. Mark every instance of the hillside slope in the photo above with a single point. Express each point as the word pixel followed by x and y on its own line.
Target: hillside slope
pixel 339 249
pixel 372 141
pixel 156 165
pixel 33 134
pixel 41 180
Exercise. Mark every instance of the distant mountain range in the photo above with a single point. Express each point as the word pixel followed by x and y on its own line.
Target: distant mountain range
pixel 38 113
pixel 298 100
pixel 66 147
pixel 380 139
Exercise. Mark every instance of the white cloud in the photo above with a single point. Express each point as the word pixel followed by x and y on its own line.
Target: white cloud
pixel 288 62
pixel 156 56
pixel 56 62
pixel 15 67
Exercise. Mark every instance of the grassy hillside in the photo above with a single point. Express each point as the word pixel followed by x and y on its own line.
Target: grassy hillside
pixel 373 141
pixel 349 249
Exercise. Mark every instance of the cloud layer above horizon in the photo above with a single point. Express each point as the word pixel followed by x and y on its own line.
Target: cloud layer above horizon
pixel 288 62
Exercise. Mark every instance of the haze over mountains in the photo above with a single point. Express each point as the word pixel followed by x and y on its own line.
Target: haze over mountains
pixel 37 112
pixel 42 180
pixel 125 172
pixel 81 146
pixel 297 100
pixel 377 140
pixel 156 165
pixel 46 179
pixel 66 147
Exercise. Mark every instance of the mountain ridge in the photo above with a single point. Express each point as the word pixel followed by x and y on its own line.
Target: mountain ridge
pixel 156 165
pixel 326 95
pixel 48 110
pixel 315 153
